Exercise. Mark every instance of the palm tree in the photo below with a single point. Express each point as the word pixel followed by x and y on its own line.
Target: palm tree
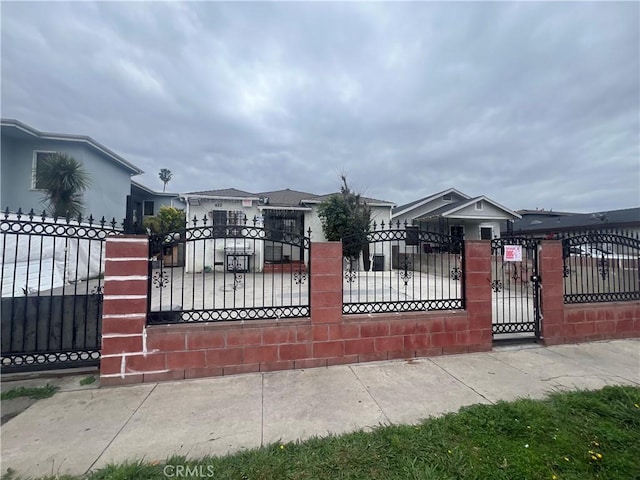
pixel 165 175
pixel 63 181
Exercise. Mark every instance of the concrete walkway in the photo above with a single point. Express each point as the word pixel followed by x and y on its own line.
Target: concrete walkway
pixel 85 428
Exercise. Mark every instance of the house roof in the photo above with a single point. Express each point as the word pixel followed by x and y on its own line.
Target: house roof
pixel 370 201
pixel 286 197
pixel 21 128
pixel 279 198
pixel 418 203
pixel 627 217
pixel 454 207
pixel 152 192
pixel 223 193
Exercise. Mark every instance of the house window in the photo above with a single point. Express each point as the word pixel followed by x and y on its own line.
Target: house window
pixel 479 205
pixel 486 233
pixel 229 217
pixel 38 158
pixel 446 198
pixel 148 208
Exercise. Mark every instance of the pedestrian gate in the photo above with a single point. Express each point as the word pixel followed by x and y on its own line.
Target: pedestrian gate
pixel 515 285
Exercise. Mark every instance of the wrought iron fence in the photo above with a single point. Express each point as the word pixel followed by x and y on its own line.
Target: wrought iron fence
pixel 52 282
pixel 401 268
pixel 208 273
pixel 601 267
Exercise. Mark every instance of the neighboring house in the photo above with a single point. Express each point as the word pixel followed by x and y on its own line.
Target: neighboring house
pixel 548 226
pixel 23 148
pixel 144 202
pixel 455 213
pixel 282 210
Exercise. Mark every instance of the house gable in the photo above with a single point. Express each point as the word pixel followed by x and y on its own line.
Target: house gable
pixel 424 206
pixel 480 208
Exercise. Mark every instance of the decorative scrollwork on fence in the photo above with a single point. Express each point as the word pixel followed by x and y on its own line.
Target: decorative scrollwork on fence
pixel 404 272
pixel 350 275
pixel 160 279
pixel 515 275
pixel 300 277
pixel 456 273
pixel 566 271
pixel 496 285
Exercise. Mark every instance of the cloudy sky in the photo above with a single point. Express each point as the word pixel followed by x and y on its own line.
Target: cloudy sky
pixel 531 104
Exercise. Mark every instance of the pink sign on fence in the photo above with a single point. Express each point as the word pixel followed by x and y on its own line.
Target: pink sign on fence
pixel 513 253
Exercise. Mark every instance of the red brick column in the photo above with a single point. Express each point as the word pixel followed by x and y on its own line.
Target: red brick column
pixel 553 328
pixel 326 302
pixel 477 277
pixel 124 311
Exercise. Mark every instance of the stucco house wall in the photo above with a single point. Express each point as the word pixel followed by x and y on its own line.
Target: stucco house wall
pixel 110 180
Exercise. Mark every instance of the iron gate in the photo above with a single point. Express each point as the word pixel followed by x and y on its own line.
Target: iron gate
pixel 52 290
pixel 515 285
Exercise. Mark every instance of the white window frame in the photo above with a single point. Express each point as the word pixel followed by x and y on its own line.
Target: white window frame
pixel 479 205
pixel 34 167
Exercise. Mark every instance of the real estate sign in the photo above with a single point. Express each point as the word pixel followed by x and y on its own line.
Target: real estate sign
pixel 513 253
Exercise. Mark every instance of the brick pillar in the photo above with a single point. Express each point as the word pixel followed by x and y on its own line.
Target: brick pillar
pixel 326 297
pixel 552 293
pixel 124 311
pixel 477 277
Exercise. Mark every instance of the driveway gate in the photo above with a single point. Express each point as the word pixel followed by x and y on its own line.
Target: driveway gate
pixel 52 281
pixel 515 287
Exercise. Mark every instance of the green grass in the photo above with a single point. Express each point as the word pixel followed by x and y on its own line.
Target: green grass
pixel 577 435
pixel 88 380
pixel 31 392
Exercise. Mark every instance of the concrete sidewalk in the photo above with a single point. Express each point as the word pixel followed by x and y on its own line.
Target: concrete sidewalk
pixel 79 430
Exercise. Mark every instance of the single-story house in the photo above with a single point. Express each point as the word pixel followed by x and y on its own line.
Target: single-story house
pixel 455 213
pixel 280 210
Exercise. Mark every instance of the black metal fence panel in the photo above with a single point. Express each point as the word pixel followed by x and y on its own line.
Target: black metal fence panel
pixel 52 281
pixel 515 286
pixel 601 267
pixel 401 269
pixel 228 272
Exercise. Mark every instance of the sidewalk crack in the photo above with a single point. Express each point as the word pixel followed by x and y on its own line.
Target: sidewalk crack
pixel 121 429
pixel 370 395
pixel 459 380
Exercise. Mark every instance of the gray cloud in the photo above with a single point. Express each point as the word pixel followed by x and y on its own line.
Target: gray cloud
pixel 532 104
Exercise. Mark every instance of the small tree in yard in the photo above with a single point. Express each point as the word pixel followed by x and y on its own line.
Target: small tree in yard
pixel 166 226
pixel 168 220
pixel 63 181
pixel 346 217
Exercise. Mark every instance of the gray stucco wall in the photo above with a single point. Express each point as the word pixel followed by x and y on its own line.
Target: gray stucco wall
pixel 111 183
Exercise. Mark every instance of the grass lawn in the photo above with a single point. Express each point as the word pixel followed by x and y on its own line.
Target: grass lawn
pixel 575 435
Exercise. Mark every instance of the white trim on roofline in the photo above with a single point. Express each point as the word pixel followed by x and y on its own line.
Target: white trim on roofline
pixel 187 196
pixel 425 200
pixel 284 207
pixel 371 204
pixel 9 122
pixel 471 201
